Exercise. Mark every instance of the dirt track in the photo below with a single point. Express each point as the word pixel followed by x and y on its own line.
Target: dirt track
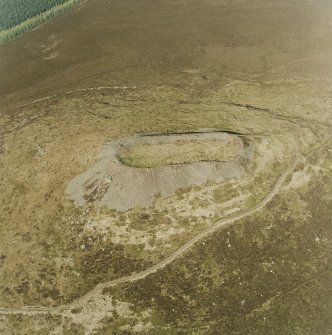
pixel 31 310
pixel 141 275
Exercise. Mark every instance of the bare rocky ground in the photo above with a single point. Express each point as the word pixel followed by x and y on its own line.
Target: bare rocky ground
pixel 246 254
pixel 118 186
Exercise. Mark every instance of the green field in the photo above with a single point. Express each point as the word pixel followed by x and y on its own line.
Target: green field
pixel 19 16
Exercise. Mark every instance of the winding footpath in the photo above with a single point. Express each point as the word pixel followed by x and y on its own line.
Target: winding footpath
pixel 60 310
pixel 31 310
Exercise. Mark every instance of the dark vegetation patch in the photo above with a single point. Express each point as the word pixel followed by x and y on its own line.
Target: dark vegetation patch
pixel 270 274
pixel 98 261
pixel 29 325
pixel 82 262
pixel 13 12
pixel 19 16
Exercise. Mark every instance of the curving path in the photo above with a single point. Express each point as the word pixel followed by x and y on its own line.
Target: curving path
pixel 219 223
pixel 141 275
pixel 59 310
